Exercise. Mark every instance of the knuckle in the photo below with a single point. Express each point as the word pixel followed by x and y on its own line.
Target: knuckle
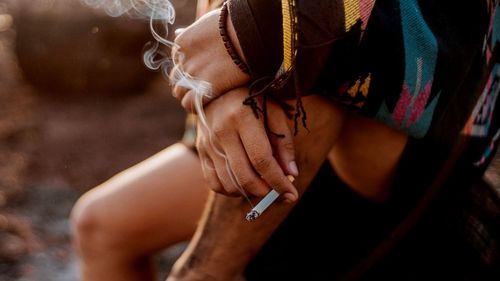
pixel 188 103
pixel 253 186
pixel 246 183
pixel 235 114
pixel 217 189
pixel 177 93
pixel 219 131
pixel 244 113
pixel 287 144
pixel 261 162
pixel 180 40
pixel 214 184
pixel 232 191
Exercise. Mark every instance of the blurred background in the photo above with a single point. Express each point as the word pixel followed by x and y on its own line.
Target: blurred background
pixel 77 105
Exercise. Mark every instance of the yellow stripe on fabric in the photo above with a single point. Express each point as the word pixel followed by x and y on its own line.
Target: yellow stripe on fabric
pixel 364 89
pixel 351 13
pixel 353 91
pixel 287 34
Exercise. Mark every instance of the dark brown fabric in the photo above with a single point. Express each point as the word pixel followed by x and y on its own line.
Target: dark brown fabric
pixel 259 34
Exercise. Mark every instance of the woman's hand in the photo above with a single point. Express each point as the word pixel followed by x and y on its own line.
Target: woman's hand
pixel 240 155
pixel 203 56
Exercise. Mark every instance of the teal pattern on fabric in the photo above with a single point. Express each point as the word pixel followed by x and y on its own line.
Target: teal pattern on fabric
pixel 413 113
pixel 493 36
pixel 496 27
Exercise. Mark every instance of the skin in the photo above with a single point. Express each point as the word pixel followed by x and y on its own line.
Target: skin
pixel 138 212
pixel 223 234
pixel 213 64
pixel 103 227
pixel 248 148
pixel 112 219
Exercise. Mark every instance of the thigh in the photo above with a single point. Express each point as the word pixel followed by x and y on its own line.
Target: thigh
pixel 155 203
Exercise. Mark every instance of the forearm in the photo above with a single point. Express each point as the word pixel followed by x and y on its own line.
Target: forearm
pixel 225 242
pixel 254 28
pixel 320 25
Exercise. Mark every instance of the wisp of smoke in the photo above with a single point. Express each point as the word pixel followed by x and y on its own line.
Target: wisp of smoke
pixel 161 14
pixel 150 9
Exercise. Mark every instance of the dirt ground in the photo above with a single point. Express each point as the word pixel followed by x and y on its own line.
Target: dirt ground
pixel 56 144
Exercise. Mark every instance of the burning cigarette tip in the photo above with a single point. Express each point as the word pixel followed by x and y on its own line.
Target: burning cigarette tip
pixel 252 215
pixel 265 203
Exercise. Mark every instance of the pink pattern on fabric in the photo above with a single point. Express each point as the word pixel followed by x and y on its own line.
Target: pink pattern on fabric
pixel 366 8
pixel 489 34
pixel 467 130
pixel 399 113
pixel 419 104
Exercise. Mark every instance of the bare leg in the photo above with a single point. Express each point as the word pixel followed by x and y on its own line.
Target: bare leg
pixel 120 224
pixel 225 242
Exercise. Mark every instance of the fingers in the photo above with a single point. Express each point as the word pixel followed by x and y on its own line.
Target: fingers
pixel 193 97
pixel 179 31
pixel 200 53
pixel 260 153
pixel 216 173
pixel 229 184
pixel 176 74
pixel 216 168
pixel 282 140
pixel 241 150
pixel 245 177
pixel 208 169
pixel 234 173
pixel 189 90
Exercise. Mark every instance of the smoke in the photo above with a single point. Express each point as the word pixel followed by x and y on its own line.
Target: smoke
pixel 149 9
pixel 161 14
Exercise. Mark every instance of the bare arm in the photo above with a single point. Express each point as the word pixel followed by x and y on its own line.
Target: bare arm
pixel 225 242
pixel 201 54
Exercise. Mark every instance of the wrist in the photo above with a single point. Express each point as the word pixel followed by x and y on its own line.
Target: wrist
pixel 230 39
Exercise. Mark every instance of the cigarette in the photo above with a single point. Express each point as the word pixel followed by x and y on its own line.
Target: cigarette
pixel 264 203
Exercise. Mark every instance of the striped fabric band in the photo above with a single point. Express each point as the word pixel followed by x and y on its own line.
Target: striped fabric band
pixel 289 34
pixel 356 10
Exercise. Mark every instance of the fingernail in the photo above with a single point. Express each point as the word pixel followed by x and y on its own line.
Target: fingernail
pixel 289 197
pixel 292 168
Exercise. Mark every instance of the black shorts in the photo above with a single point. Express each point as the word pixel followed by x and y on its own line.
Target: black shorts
pixel 327 232
pixel 332 229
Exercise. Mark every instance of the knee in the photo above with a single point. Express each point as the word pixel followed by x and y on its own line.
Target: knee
pixel 90 232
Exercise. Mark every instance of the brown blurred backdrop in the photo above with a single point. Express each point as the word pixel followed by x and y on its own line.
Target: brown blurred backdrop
pixel 77 105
